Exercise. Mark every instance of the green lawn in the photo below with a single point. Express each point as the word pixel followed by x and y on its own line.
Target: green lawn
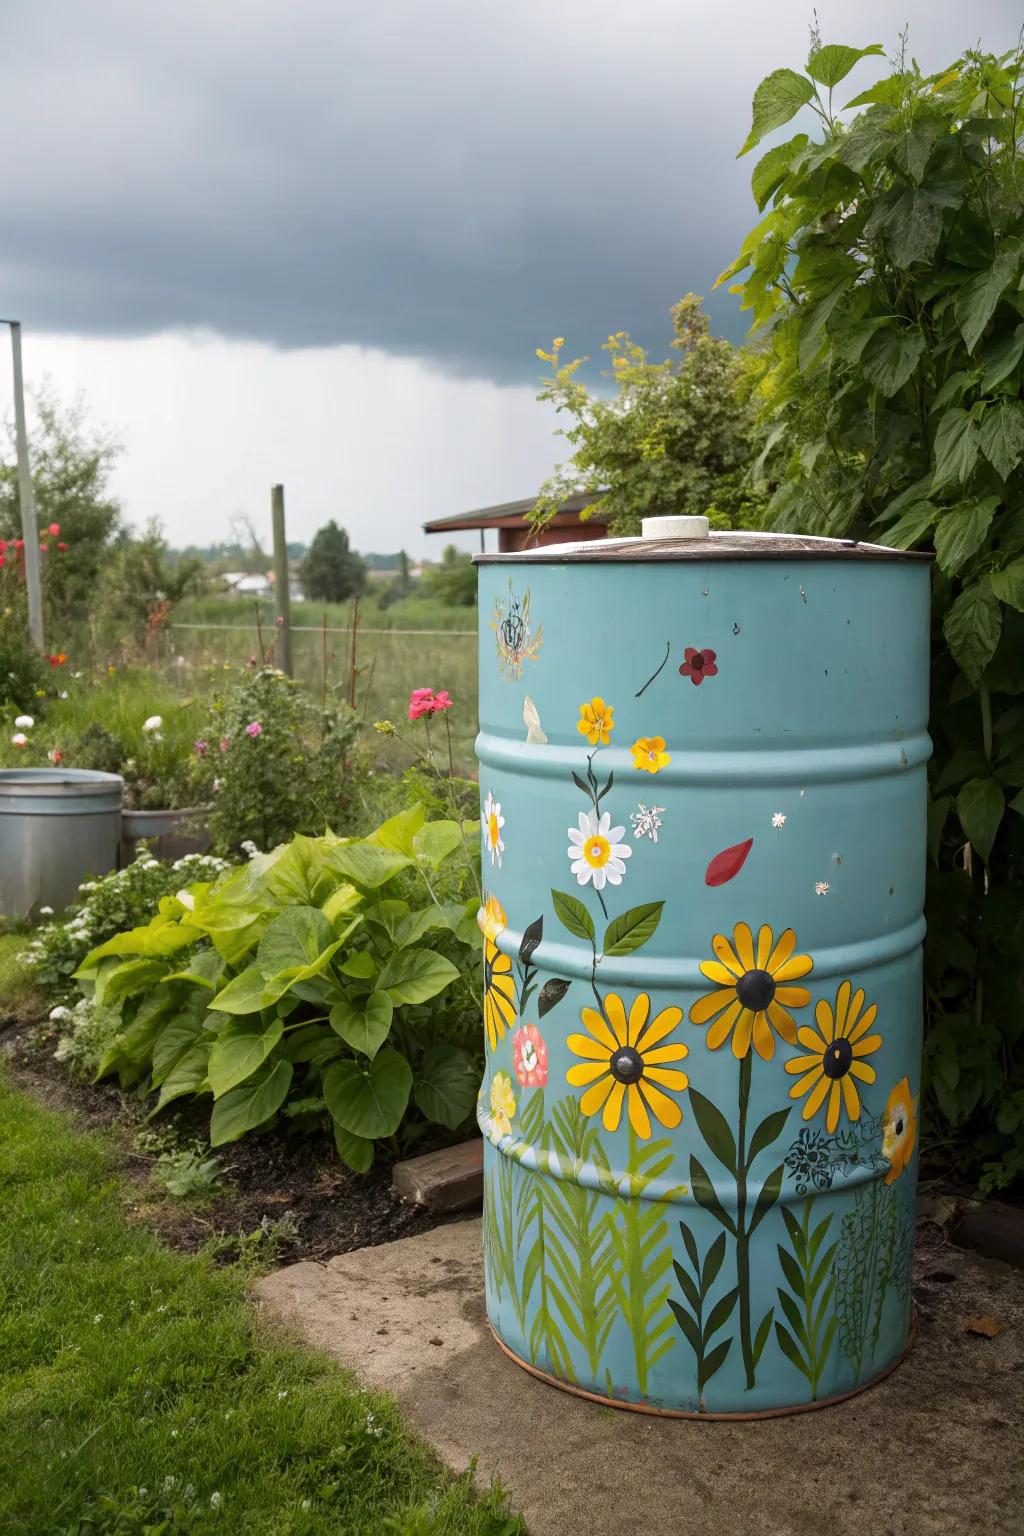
pixel 139 1396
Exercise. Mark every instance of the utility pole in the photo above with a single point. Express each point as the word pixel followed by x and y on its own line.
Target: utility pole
pixel 282 600
pixel 26 497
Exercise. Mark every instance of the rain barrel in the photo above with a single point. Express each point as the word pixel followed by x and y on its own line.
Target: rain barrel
pixel 703 814
pixel 57 827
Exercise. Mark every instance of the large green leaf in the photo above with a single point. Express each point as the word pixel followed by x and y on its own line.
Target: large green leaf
pixel 397 834
pixel 415 976
pixel 446 1085
pixel 891 356
pixel 980 805
pixel 833 62
pixel 355 1151
pixel 364 1025
pixel 972 628
pixel 188 1075
pixel 251 1103
pixel 770 1129
pixel 205 969
pixel 572 914
pixel 156 940
pixel 295 938
pixel 1001 357
pixel 239 1048
pixel 181 1032
pixel 976 301
pixel 125 980
pixel 912 526
pixel 812 325
pixel 366 865
pixel 956 448
pixel 772 169
pixel 913 228
pixel 1008 584
pixel 437 841
pixel 1002 436
pixel 632 929
pixel 369 1101
pixel 715 1130
pixel 960 532
pixel 243 993
pixel 778 98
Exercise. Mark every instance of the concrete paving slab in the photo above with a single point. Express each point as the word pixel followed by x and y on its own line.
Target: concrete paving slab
pixel 935 1450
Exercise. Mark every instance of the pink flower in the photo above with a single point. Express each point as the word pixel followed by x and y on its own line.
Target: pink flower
pixel 424 701
pixel 55 530
pixel 200 748
pixel 224 743
pixel 254 728
pixel 62 547
pixel 530 1056
pixel 279 621
pixel 55 756
pixel 442 701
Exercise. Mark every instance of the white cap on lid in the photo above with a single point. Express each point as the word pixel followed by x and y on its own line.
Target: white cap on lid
pixel 692 527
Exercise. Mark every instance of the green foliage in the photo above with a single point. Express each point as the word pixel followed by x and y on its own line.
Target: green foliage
pixel 188 1174
pixel 698 1330
pixel 453 582
pixel 675 437
pixel 808 1304
pixel 887 273
pixel 330 571
pixel 306 985
pixel 176 1411
pixel 876 1239
pixel 140 583
pixel 22 669
pixel 273 764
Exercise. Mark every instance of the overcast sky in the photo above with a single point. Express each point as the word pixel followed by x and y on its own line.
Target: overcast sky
pixel 319 241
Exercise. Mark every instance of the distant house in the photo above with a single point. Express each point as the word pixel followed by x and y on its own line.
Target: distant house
pixel 249 583
pixel 514 531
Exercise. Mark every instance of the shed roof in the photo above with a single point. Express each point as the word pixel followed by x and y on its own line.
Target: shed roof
pixel 509 514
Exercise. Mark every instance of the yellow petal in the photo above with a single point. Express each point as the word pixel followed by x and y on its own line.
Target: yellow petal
pixel 832 1119
pixel 851 1098
pixel 764 946
pixel 792 997
pixel 724 950
pixel 825 1022
pixel 598 1028
pixel 799 1089
pixel 718 973
pixel 660 1026
pixel 719 1031
pixel 782 951
pixel 856 1004
pixel 863 1024
pixel 613 1108
pixel 638 1116
pixel 744 941
pixel 711 1003
pixel 864 1070
pixel 782 1021
pixel 810 1039
pixel 582 1045
pixel 764 1040
pixel 792 970
pixel 638 1017
pixel 616 1014
pixel 674 1052
pixel 865 1047
pixel 817 1098
pixel 802 1063
pixel 667 1077
pixel 741 1038
pixel 594 1097
pixel 665 1110
pixel 583 1072
pixel 842 1007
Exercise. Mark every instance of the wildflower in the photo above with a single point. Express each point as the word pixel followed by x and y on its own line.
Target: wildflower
pixel 215 1500
pixel 216 785
pixel 281 1396
pixel 60 1013
pixel 153 723
pixel 200 748
pixel 19 739
pixel 421 702
pixel 111 670
pixel 595 722
pixel 54 530
pixel 98 1318
pixel 384 727
pixel 224 743
pixel 55 756
pixel 649 754
pixel 254 729
pixel 442 701
pixel 62 547
pixel 24 722
pixel 46 912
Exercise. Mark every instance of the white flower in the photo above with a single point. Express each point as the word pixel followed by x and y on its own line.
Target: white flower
pixel 216 785
pixel 57 1014
pixel 249 848
pixel 778 819
pixel 595 851
pixel 46 912
pixel 24 722
pixel 153 723
pixel 492 822
pixel 98 1318
pixel 215 1500
pixel 64 693
pixel 306 1504
pixel 821 888
pixel 19 739
pixel 281 1396
pixel 646 821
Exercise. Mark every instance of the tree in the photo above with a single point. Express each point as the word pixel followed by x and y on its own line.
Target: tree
pixel 141 582
pixel 71 468
pixel 330 571
pixel 453 581
pixel 887 272
pixel 675 437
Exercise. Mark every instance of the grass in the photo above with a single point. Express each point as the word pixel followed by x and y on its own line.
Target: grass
pixel 136 1386
pixel 19 997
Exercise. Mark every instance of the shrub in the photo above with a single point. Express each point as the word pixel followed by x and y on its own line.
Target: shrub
pixel 306 984
pixel 273 764
pixel 106 906
pixel 888 269
pixel 22 669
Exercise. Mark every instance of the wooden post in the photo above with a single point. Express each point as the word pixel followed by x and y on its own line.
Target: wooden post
pixel 282 601
pixel 26 496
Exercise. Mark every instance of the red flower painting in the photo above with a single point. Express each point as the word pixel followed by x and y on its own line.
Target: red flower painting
pixel 697 665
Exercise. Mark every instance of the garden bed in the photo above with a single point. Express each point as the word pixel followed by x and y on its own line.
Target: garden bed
pixel 294 1185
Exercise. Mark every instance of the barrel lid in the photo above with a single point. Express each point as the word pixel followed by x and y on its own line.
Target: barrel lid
pixel 58 781
pixel 731 544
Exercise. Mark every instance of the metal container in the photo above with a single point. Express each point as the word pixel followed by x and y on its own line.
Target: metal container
pixel 169 834
pixel 702 775
pixel 57 827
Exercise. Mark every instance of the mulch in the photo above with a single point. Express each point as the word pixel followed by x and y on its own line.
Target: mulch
pixel 329 1209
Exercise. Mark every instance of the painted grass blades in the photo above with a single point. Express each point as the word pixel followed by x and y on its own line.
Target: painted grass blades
pixel 808 1304
pixel 698 1330
pixel 643 1258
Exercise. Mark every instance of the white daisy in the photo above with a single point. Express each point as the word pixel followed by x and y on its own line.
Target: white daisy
pixel 595 850
pixel 24 722
pixel 778 819
pixel 492 822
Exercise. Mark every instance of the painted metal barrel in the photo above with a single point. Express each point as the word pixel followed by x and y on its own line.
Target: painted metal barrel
pixel 57 826
pixel 703 807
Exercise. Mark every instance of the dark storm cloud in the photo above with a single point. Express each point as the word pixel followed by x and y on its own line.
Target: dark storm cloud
pixel 458 179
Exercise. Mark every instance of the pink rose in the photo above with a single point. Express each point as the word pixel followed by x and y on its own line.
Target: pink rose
pixel 254 728
pixel 530 1056
pixel 224 743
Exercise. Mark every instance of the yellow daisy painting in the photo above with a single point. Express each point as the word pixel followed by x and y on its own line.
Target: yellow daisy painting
pixel 834 1063
pixel 628 1060
pixel 754 990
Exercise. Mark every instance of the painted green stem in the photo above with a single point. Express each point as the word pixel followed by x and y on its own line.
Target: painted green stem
pixel 742 1230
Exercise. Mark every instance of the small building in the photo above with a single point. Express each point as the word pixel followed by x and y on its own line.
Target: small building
pixel 514 531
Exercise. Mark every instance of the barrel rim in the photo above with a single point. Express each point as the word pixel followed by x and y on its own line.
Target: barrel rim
pixel 732 545
pixel 57 783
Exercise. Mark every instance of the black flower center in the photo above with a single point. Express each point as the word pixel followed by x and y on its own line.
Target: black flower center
pixel 697 662
pixel 627 1065
pixel 837 1059
pixel 899 1126
pixel 755 990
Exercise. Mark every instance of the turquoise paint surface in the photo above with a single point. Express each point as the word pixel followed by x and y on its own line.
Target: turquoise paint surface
pixel 818 714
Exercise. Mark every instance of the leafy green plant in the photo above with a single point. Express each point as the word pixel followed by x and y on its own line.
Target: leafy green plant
pixel 675 437
pixel 808 1304
pixel 699 1330
pixel 304 984
pixel 189 1173
pixel 886 273
pixel 273 764
pixel 873 1235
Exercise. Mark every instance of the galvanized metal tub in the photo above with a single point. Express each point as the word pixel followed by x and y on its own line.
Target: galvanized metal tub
pixel 702 774
pixel 57 827
pixel 169 834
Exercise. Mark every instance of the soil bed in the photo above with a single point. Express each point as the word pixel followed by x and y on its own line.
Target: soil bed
pixel 266 1179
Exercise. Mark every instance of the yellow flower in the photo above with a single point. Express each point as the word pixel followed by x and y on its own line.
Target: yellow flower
pixel 623 1059
pixel 559 341
pixel 111 670
pixel 491 917
pixel 595 722
pixel 899 1124
pixel 834 1060
pixel 753 993
pixel 503 1103
pixel 499 992
pixel 649 754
